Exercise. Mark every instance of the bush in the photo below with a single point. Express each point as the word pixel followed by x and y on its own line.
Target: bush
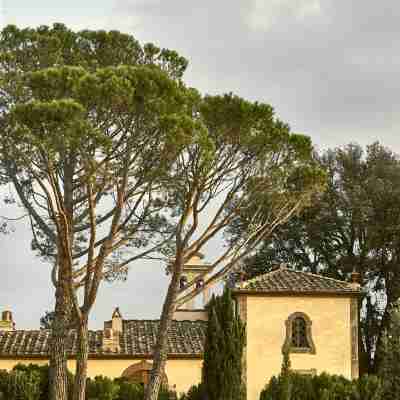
pixel 3 383
pixel 323 387
pixel 22 385
pixel 102 388
pixel 43 371
pixel 129 390
pixel 195 393
pixel 370 388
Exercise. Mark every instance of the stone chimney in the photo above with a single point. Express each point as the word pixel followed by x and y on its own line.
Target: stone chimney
pixel 112 331
pixel 7 323
pixel 116 321
pixel 355 279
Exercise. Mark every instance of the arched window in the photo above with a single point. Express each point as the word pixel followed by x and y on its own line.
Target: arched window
pixel 183 282
pixel 140 373
pixel 299 334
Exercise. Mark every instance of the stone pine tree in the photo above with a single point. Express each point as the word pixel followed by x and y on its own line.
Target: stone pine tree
pixel 223 352
pixel 390 362
pixel 243 161
pixel 89 122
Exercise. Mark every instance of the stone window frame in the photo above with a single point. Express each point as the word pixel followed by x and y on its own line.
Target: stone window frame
pixel 289 329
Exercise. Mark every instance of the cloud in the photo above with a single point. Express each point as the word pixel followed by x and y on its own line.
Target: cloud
pixel 264 14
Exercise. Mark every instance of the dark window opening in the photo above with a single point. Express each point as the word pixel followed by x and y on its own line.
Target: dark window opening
pixel 299 333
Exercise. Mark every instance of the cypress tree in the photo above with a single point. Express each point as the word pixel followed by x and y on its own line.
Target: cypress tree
pixel 390 361
pixel 223 351
pixel 286 377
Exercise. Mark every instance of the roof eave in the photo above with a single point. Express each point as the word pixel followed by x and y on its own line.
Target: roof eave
pixel 113 356
pixel 293 293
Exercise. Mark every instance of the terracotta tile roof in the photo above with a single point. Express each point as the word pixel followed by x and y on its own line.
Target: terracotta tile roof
pixel 184 337
pixel 138 338
pixel 284 280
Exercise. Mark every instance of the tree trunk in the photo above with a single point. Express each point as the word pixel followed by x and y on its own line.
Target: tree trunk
pixel 81 361
pixel 58 372
pixel 161 348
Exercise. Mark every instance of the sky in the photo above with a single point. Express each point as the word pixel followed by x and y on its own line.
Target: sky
pixel 328 67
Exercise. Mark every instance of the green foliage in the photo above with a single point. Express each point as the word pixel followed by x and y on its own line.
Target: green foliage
pixel 3 383
pixel 223 351
pixel 324 387
pixel 129 390
pixel 74 97
pixel 43 372
pixel 30 382
pixel 390 360
pixel 286 381
pixel 354 223
pixel 102 388
pixel 23 385
pixel 46 320
pixel 26 371
pixel 196 392
pixel 370 387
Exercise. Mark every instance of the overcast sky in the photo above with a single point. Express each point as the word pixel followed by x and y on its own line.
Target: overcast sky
pixel 329 67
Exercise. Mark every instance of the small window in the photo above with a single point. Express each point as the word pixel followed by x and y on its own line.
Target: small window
pixel 299 334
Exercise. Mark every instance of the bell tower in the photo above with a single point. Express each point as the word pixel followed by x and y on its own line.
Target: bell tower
pixel 7 323
pixel 192 273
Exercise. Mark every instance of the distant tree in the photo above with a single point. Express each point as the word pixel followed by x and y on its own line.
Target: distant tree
pixel 353 225
pixel 241 162
pixel 89 122
pixel 47 320
pixel 223 351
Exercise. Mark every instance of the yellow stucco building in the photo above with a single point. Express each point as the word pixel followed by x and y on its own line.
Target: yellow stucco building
pixel 313 317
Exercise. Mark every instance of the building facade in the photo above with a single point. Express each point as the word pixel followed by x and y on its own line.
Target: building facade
pixel 314 318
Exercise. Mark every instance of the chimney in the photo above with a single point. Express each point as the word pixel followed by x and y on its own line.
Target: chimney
pixel 355 279
pixel 112 331
pixel 116 321
pixel 7 323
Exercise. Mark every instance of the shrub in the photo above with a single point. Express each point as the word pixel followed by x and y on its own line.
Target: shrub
pixel 129 390
pixel 370 388
pixel 196 392
pixel 3 383
pixel 21 385
pixel 102 388
pixel 43 371
pixel 323 387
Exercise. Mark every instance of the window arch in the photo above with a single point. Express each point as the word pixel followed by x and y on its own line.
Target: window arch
pixel 140 373
pixel 299 334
